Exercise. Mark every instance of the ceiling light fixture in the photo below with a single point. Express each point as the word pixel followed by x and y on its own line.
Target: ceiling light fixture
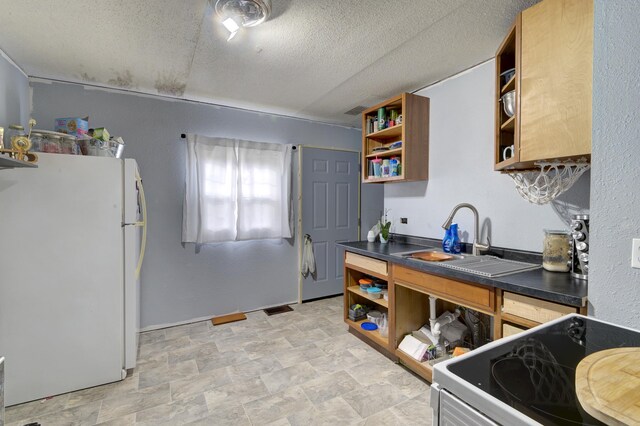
pixel 245 13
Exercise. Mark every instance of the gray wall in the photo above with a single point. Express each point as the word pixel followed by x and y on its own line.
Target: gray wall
pixel 179 283
pixel 461 170
pixel 614 287
pixel 14 95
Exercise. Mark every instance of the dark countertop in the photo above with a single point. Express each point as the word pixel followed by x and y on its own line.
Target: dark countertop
pixel 551 286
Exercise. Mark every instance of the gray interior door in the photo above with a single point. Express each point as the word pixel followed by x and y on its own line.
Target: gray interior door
pixel 330 212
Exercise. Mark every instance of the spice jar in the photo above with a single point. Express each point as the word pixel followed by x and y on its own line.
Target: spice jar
pixel 556 251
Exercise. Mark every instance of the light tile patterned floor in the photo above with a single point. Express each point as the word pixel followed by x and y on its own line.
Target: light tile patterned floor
pixel 296 368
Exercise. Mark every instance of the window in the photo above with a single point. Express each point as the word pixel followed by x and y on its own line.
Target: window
pixel 236 190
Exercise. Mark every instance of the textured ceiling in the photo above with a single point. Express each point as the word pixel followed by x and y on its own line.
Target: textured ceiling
pixel 315 59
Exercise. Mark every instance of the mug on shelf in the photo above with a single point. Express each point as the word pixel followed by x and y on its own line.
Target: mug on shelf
pixel 507 152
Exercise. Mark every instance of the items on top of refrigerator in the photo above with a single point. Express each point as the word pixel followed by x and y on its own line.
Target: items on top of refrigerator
pixel 69 145
pixel 19 145
pixel 72 126
pixel 101 133
pixel 53 144
pixel 97 142
pixel 99 148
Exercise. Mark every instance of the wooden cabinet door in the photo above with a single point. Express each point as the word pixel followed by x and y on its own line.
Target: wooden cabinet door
pixel 556 80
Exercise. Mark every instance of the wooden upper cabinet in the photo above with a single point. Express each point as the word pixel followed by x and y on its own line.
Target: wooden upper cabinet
pixel 553 45
pixel 413 154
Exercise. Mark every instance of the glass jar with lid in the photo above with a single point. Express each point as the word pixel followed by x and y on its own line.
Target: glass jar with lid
pixel 75 150
pixel 556 251
pixel 68 145
pixel 53 144
pixel 37 142
pixel 15 131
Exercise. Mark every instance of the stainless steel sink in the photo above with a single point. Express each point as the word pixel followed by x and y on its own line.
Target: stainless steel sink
pixel 486 266
pixel 408 254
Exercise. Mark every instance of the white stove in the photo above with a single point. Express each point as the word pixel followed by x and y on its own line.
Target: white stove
pixel 526 379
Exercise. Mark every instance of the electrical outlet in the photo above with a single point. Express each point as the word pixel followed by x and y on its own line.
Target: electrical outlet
pixel 635 253
pixel 403 220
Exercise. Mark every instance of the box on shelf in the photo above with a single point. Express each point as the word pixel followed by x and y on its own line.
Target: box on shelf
pixel 72 126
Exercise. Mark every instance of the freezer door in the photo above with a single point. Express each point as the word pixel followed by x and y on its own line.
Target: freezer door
pixel 62 286
pixel 132 211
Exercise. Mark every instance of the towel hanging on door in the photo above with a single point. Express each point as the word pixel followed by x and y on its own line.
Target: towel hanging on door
pixel 308 258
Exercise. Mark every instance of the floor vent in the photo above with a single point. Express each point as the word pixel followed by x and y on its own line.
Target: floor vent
pixel 278 310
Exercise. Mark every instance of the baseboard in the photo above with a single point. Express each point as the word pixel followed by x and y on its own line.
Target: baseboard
pixel 205 318
pixel 322 298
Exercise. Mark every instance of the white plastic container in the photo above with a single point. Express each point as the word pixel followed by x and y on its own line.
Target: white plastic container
pixel 374 316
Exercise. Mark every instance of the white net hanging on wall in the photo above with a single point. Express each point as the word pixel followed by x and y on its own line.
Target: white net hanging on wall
pixel 552 179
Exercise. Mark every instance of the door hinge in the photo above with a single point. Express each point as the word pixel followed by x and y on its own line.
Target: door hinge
pixel 359 167
pixel 359 223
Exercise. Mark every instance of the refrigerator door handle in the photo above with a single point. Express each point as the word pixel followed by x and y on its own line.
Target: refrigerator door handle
pixel 143 223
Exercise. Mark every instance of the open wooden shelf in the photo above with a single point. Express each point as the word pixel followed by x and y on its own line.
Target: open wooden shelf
pixel 380 301
pixel 423 369
pixel 373 335
pixel 413 155
pixel 394 132
pixel 384 179
pixel 550 46
pixel 503 165
pixel 509 125
pixel 511 85
pixel 383 154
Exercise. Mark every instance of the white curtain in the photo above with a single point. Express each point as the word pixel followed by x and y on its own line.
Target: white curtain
pixel 264 179
pixel 236 190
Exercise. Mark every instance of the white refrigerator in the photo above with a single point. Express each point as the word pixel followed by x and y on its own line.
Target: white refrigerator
pixel 70 244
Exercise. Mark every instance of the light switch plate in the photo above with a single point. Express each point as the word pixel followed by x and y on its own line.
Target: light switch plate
pixel 635 253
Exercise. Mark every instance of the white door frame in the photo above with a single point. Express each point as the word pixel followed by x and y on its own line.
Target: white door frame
pixel 299 227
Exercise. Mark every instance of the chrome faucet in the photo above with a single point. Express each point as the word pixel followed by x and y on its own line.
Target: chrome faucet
pixel 477 247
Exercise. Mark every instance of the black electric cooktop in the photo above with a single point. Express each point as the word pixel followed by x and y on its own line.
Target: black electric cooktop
pixel 536 374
